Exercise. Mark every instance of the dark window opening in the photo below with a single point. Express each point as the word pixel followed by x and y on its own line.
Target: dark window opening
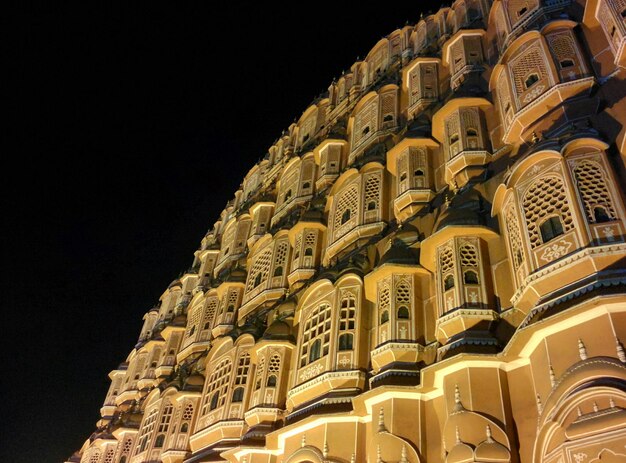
pixel 238 394
pixel 471 133
pixel 184 427
pixel 366 130
pixel 522 11
pixel 418 173
pixel 470 277
pixel 308 252
pixel 454 138
pixel 388 118
pixel 403 176
pixel 271 381
pixel 287 196
pixel 306 185
pixel 257 280
pixel 158 442
pixel 315 352
pixel 448 283
pixel 345 216
pixel 600 215
pixel 214 400
pixel 345 341
pixel 231 308
pixel 371 205
pixel 531 80
pixel 566 63
pixel 551 228
pixel 403 313
pixel 384 317
pixel 279 271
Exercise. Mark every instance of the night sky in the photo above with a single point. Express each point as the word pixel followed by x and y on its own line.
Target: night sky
pixel 130 127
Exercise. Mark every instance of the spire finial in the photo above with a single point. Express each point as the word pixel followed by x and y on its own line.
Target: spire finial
pixel 552 376
pixel 403 458
pixel 303 442
pixel 325 451
pixel 378 455
pixel 620 350
pixel 381 420
pixel 457 434
pixel 458 406
pixel 582 350
pixel 535 138
pixel 488 432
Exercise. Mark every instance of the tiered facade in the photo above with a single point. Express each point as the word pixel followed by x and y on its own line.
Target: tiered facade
pixel 428 266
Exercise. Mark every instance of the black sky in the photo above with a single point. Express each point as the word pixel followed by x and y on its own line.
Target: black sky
pixel 130 127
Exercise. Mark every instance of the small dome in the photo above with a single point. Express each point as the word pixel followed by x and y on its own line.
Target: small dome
pixel 490 450
pixel 236 275
pixel 247 328
pixel 399 253
pixel 313 216
pixel 465 209
pixel 460 453
pixel 194 381
pixel 278 330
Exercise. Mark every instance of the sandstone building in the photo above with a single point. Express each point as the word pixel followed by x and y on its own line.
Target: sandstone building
pixel 429 266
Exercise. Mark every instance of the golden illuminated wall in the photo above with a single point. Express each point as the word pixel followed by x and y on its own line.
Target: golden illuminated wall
pixel 428 266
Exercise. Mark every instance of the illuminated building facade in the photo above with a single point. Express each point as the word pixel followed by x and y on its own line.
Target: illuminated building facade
pixel 429 266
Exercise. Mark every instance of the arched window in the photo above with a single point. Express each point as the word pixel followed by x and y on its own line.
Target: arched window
pixel 403 313
pixel 546 210
pixel 308 252
pixel 600 214
pixel 345 216
pixel 471 132
pixel 287 196
pixel 448 283
pixel 470 277
pixel 371 205
pixel 315 350
pixel 384 317
pixel 271 381
pixel 550 228
pixel 278 271
pixel 184 427
pixel 531 80
pixel 316 328
pixel 238 394
pixel 215 400
pixel 345 341
pixel 123 459
pixel 566 63
pixel 592 188
pixel 158 443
